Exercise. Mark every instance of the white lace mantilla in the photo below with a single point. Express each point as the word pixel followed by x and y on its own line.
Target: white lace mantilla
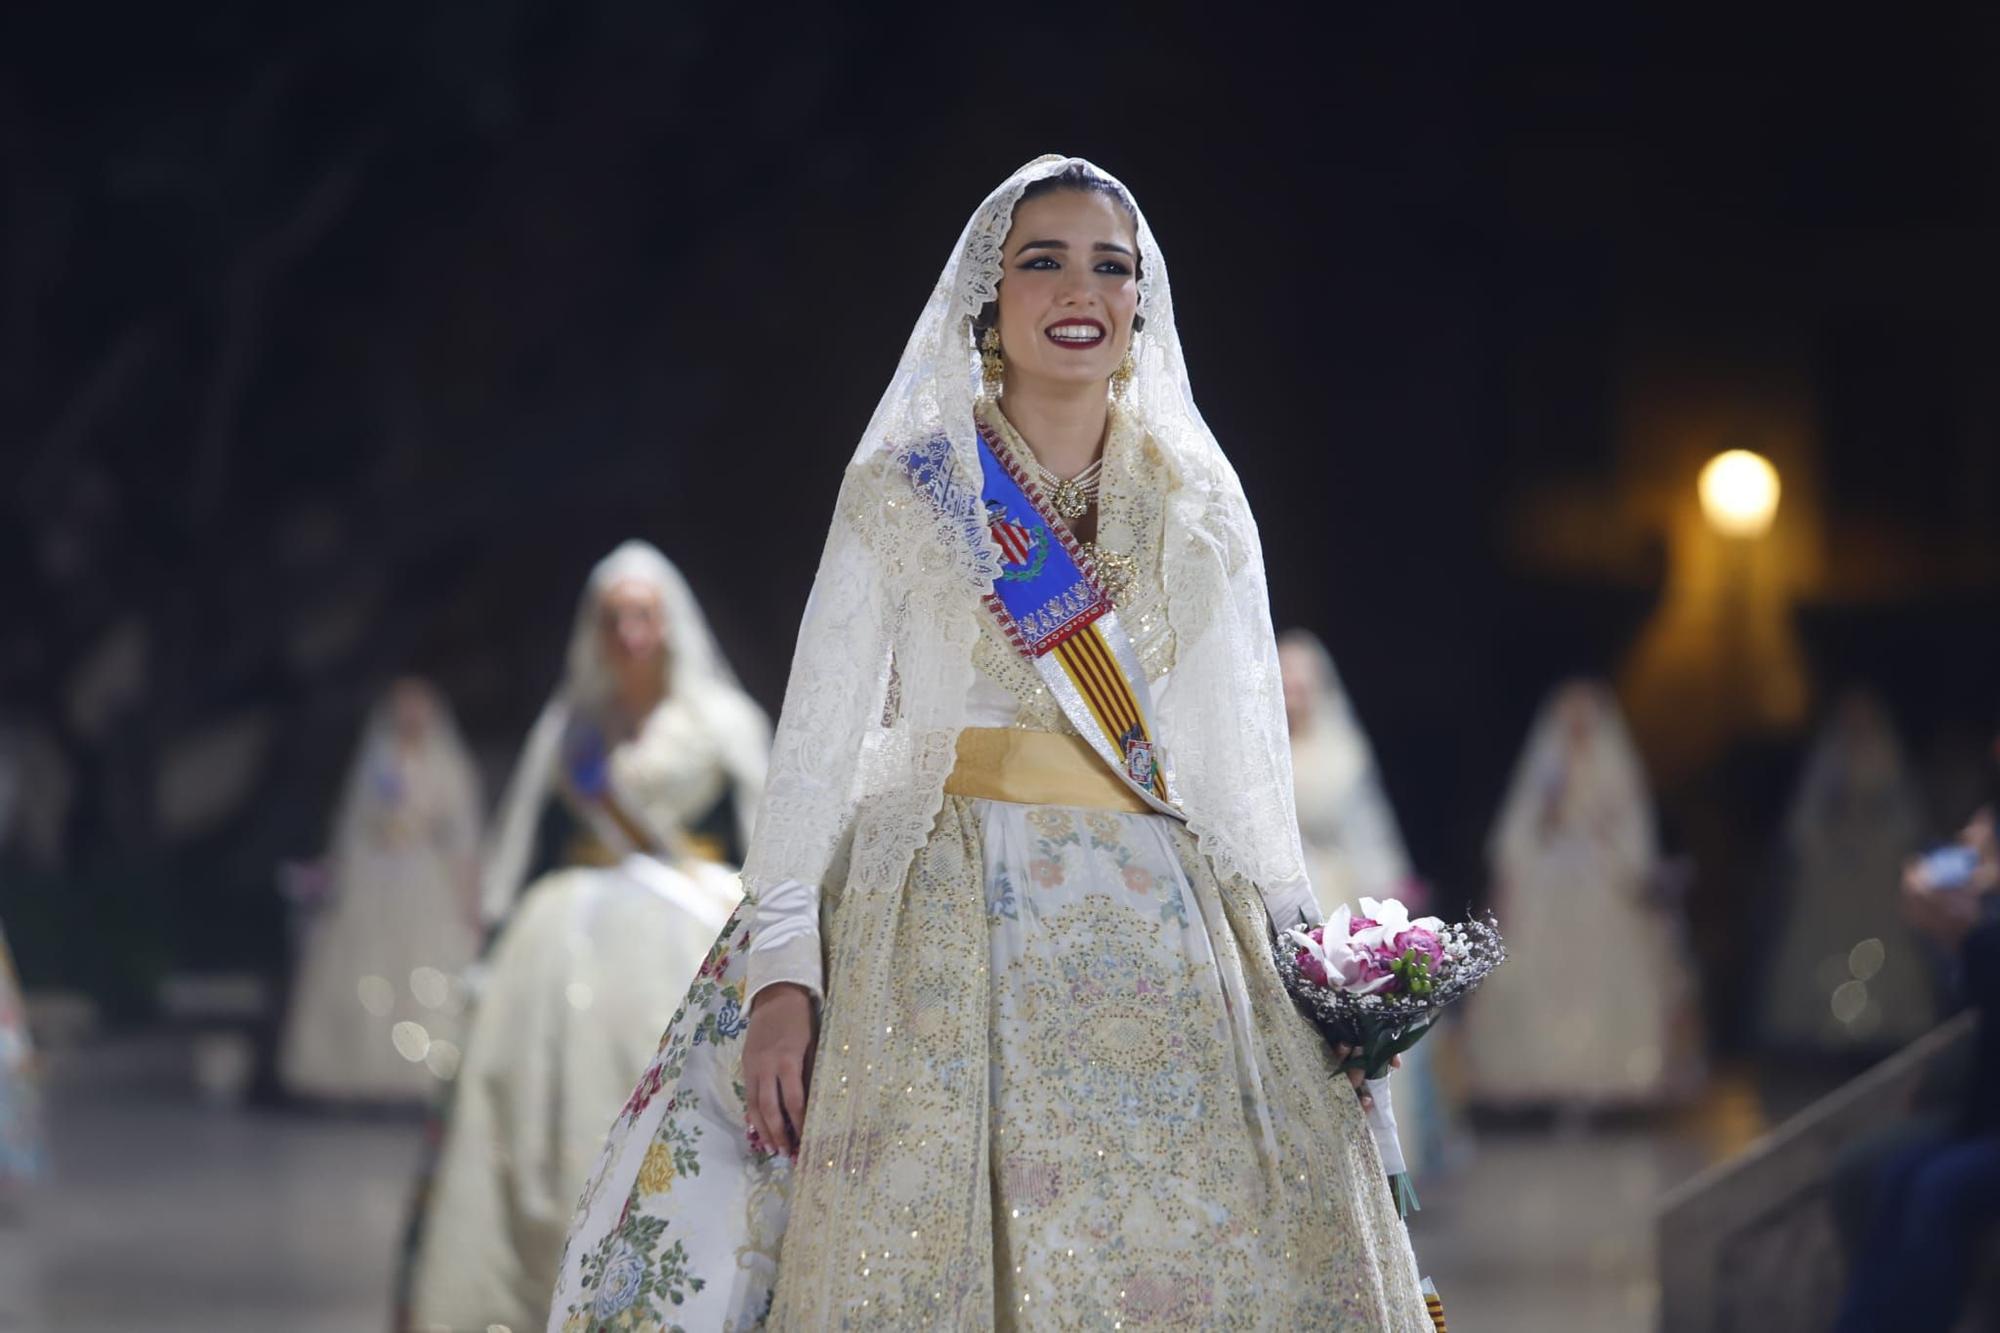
pixel 857 777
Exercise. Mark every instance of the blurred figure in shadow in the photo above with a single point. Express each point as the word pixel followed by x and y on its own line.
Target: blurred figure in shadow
pixel 375 1012
pixel 1592 1011
pixel 1848 975
pixel 22 1159
pixel 641 775
pixel 1936 1200
pixel 20 1118
pixel 1353 847
pixel 34 799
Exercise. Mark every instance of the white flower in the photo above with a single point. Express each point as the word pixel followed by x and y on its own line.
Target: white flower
pixel 1391 919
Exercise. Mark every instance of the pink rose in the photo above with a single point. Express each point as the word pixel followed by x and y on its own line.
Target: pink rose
pixel 1424 942
pixel 1361 923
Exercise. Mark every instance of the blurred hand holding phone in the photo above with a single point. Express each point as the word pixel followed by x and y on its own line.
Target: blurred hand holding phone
pixel 1949 867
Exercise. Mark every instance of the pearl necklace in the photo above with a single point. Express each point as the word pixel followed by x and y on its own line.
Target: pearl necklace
pixel 1072 498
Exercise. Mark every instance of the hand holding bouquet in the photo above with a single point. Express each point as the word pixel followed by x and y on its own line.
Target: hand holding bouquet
pixel 1375 984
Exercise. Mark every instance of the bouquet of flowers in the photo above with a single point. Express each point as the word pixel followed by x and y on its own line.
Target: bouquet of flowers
pixel 1376 983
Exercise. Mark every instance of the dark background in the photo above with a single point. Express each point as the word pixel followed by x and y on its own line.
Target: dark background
pixel 338 341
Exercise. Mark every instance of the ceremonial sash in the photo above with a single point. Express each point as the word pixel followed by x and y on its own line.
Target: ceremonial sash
pixel 1052 610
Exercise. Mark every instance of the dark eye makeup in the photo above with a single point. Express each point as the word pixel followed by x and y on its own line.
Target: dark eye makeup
pixel 1048 263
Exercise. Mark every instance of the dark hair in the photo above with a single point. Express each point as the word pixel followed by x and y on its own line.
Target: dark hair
pixel 1078 177
pixel 1081 179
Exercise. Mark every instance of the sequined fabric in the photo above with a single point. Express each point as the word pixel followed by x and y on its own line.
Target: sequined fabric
pixel 1093 1108
pixel 1167 1151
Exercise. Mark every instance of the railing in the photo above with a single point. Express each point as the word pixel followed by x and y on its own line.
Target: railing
pixel 1749 1246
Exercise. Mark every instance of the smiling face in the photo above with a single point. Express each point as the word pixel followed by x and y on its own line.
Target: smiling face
pixel 1070 290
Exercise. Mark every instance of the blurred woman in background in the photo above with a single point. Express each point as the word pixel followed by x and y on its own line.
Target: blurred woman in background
pixel 375 1013
pixel 642 773
pixel 20 1121
pixel 1595 1007
pixel 1847 973
pixel 1354 849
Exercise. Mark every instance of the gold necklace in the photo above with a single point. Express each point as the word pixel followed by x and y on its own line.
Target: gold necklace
pixel 1072 497
pixel 1116 571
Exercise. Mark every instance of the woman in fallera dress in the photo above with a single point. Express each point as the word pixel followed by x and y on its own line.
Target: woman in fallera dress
pixel 1015 1052
pixel 632 790
pixel 1575 860
pixel 375 1013
pixel 1353 847
pixel 1848 972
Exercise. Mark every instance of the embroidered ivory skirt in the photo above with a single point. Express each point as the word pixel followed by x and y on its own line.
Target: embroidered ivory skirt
pixel 1169 1145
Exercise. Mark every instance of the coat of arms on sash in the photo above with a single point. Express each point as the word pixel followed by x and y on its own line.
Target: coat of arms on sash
pixel 1024 545
pixel 1138 757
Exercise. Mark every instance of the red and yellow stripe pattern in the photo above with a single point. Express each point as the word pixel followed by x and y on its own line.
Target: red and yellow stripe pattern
pixel 1088 661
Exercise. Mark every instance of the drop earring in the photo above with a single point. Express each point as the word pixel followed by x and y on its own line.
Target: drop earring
pixel 1121 378
pixel 992 364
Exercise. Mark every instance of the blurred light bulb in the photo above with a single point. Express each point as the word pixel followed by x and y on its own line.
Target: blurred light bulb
pixel 1739 493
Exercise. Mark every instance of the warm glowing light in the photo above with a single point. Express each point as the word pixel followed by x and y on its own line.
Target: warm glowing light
pixel 1739 493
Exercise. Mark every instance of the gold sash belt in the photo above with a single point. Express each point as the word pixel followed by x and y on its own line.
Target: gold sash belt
pixel 1037 768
